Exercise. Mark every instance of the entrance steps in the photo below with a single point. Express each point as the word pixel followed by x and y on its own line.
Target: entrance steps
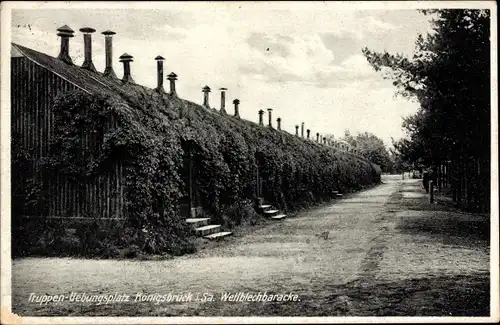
pixel 269 211
pixel 337 194
pixel 202 228
pixel 218 235
pixel 197 222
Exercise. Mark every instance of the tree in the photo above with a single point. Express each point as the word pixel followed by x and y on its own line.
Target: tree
pixel 449 75
pixel 371 147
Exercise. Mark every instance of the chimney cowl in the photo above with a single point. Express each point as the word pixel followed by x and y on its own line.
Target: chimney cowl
pixel 270 123
pixel 87 30
pixel 108 32
pixel 236 103
pixel 87 40
pixel 159 73
pixel 223 100
pixel 108 47
pixel 126 59
pixel 65 32
pixel 172 77
pixel 205 90
pixel 65 29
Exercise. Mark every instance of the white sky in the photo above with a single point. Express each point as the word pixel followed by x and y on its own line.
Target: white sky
pixel 304 62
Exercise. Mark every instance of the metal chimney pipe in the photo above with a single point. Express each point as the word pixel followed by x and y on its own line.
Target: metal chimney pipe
pixel 308 133
pixel 206 91
pixel 159 73
pixel 223 100
pixel 126 59
pixel 317 137
pixel 87 42
pixel 65 33
pixel 236 102
pixel 172 77
pixel 302 129
pixel 324 140
pixel 278 121
pixel 270 110
pixel 261 121
pixel 108 44
pixel 296 130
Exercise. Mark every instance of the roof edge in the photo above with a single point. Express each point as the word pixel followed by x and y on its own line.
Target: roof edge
pixel 16 46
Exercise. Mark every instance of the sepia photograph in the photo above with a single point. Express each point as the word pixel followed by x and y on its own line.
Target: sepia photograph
pixel 266 162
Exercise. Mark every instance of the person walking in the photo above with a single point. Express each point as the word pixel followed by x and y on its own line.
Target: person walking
pixel 425 180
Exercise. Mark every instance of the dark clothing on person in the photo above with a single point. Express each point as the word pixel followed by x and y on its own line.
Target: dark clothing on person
pixel 428 176
pixel 425 180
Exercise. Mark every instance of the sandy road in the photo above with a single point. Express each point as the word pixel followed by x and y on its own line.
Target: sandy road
pixel 351 257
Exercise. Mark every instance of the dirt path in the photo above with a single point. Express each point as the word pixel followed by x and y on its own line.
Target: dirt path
pixel 384 251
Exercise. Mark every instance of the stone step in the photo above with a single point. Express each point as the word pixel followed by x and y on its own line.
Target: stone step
pixel 218 235
pixel 264 206
pixel 279 216
pixel 335 192
pixel 197 222
pixel 207 230
pixel 271 213
pixel 339 195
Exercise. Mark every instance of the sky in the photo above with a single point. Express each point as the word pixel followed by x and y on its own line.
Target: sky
pixel 305 62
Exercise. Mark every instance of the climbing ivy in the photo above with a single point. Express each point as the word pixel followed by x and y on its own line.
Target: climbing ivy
pixel 146 131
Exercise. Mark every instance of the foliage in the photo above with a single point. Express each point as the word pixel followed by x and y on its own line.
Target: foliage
pixel 371 147
pixel 449 75
pixel 150 131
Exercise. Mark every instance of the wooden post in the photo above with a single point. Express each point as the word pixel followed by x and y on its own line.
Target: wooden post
pixel 431 191
pixel 439 177
pixel 445 174
pixel 453 181
pixel 468 182
pixel 459 181
pixel 443 178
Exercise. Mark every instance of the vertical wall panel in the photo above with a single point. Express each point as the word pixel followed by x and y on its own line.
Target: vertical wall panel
pixel 33 91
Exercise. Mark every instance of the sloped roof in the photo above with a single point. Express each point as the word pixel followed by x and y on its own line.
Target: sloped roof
pixel 96 83
pixel 88 81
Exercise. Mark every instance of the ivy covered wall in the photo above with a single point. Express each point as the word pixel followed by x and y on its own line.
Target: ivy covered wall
pixel 147 134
